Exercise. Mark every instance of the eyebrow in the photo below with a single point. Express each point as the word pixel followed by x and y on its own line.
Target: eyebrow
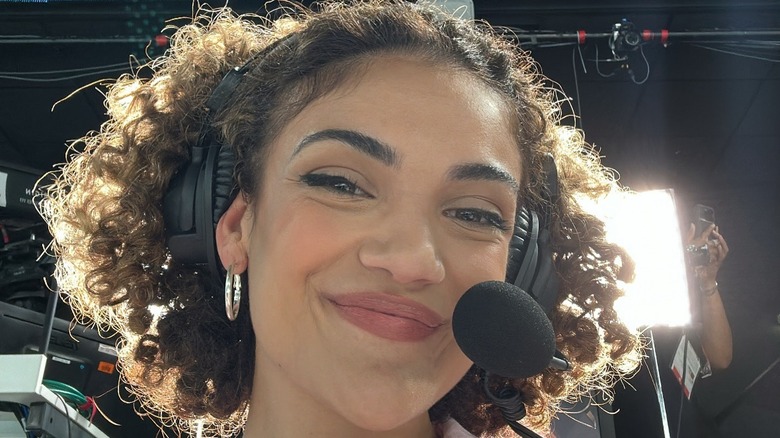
pixel 360 142
pixel 484 172
pixel 387 155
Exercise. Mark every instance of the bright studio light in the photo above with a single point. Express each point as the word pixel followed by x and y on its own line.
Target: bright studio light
pixel 645 224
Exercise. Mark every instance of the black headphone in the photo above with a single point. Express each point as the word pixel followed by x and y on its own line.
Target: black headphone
pixel 530 264
pixel 202 190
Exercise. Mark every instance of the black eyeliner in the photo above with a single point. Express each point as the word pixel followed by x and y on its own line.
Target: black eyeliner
pixel 316 179
pixel 497 221
pixel 330 182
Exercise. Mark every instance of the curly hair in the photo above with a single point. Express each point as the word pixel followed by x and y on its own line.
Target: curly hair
pixel 186 363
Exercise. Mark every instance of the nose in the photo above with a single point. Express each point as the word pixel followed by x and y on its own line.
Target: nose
pixel 405 248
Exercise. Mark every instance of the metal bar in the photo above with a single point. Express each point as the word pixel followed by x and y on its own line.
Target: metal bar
pixel 742 34
pixel 512 6
pixel 522 36
pixel 48 40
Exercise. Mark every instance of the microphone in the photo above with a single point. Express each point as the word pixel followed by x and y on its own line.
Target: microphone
pixel 504 331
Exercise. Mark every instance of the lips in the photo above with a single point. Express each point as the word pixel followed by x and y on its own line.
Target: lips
pixel 388 316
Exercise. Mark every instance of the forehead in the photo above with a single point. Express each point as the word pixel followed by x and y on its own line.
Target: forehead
pixel 408 102
pixel 410 81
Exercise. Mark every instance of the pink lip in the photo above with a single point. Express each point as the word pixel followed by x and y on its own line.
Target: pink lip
pixel 388 316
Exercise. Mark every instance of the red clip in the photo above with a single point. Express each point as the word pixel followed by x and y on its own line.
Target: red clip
pixel 161 40
pixel 581 37
pixel 664 36
pixel 647 35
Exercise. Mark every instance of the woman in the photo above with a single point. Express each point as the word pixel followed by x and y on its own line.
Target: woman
pixel 381 151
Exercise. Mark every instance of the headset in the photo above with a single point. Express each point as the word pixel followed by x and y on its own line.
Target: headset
pixel 202 190
pixel 530 264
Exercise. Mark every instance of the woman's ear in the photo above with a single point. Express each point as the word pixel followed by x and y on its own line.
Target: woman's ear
pixel 232 235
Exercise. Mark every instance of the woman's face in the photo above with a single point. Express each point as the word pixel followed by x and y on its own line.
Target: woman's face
pixel 380 205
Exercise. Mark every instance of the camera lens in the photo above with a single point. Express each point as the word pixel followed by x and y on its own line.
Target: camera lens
pixel 632 39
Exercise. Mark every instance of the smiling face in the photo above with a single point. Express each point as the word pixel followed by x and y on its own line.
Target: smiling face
pixel 380 205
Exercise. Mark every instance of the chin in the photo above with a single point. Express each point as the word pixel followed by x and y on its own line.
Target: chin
pixel 381 420
pixel 377 413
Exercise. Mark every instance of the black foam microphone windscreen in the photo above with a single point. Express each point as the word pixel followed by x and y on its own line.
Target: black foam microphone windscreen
pixel 503 330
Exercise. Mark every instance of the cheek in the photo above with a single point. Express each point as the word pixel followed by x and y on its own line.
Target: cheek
pixel 472 264
pixel 294 237
pixel 287 246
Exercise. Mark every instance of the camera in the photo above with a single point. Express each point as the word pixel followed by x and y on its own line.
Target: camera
pixel 625 37
pixel 704 217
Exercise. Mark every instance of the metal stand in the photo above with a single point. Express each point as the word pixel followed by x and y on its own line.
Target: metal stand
pixel 655 372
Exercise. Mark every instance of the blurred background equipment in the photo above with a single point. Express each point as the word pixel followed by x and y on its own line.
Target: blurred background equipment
pixel 80 364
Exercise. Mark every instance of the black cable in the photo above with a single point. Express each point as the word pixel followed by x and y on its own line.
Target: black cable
pixel 576 88
pixel 510 402
pixel 647 67
pixel 598 60
pixel 16 409
pixel 67 413
pixel 729 409
pixel 62 78
pixel 25 412
pixel 734 53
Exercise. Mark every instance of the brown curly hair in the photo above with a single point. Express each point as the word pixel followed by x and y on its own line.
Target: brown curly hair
pixel 181 356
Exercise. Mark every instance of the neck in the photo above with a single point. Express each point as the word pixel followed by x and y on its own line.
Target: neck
pixel 282 409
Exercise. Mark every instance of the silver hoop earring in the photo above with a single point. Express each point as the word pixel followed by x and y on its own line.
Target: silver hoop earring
pixel 232 294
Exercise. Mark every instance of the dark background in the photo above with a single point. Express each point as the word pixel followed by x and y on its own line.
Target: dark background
pixel 698 114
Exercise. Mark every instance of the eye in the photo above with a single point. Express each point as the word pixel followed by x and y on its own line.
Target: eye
pixel 334 183
pixel 478 217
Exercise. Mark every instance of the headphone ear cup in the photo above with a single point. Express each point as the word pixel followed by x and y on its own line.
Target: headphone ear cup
pixel 545 286
pixel 518 245
pixel 530 266
pixel 223 189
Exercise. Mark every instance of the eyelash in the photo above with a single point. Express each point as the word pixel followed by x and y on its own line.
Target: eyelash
pixel 345 186
pixel 484 218
pixel 335 183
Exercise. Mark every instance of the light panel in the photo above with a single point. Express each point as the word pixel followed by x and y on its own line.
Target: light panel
pixel 646 225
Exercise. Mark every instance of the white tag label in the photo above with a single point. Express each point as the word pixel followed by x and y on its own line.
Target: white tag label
pixel 107 349
pixel 692 366
pixel 60 360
